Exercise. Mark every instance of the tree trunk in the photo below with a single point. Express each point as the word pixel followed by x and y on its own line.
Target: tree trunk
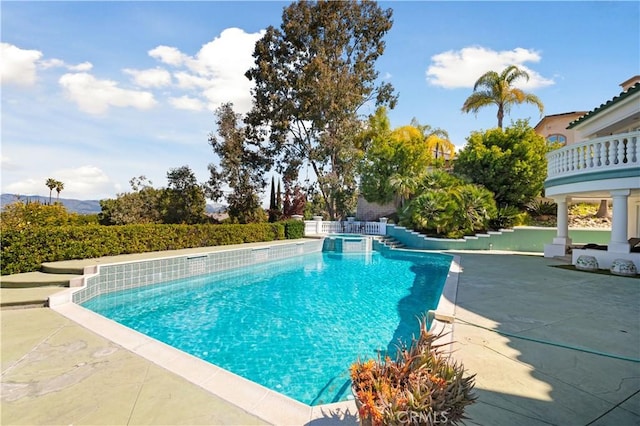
pixel 603 210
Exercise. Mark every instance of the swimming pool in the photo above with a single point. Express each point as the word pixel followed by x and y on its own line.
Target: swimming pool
pixel 293 325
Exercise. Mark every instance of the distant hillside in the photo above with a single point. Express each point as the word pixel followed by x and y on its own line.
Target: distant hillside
pixel 78 206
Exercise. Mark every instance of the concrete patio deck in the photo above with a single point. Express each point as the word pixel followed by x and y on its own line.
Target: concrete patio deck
pixel 549 346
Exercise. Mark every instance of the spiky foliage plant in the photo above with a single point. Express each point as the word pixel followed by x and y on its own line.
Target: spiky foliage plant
pixel 423 385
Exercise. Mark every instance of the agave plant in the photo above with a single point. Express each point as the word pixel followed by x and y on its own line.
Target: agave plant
pixel 423 385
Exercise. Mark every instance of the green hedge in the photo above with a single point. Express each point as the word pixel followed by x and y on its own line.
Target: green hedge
pixel 24 250
pixel 293 229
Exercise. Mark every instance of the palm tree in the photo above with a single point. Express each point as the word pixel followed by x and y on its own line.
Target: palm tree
pixel 440 147
pixel 59 188
pixel 497 90
pixel 51 184
pixel 403 185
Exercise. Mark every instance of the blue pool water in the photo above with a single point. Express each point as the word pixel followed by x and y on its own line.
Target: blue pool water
pixel 294 326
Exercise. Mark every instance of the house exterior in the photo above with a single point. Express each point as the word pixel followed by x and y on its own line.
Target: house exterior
pixel 554 127
pixel 602 162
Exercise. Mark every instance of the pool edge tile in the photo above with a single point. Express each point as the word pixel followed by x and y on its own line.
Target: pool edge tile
pixel 254 398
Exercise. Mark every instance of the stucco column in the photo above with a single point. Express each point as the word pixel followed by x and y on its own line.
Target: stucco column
pixel 562 234
pixel 619 225
pixel 318 220
pixel 383 225
pixel 562 241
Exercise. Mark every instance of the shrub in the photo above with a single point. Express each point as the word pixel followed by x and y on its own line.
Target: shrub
pixel 421 386
pixel 20 214
pixel 449 207
pixel 25 249
pixel 293 229
pixel 511 162
pixel 505 218
pixel 542 208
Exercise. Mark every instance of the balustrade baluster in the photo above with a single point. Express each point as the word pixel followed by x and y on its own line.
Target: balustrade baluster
pixel 624 147
pixel 572 156
pixel 599 154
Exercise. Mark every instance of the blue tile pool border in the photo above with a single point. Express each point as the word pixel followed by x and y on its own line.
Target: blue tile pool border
pixel 142 273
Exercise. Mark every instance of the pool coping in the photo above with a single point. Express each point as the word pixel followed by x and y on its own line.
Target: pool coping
pixel 252 397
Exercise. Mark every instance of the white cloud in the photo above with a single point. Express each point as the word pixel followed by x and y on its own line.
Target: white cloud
pixel 188 103
pixel 461 69
pixel 190 81
pixel 18 66
pixel 84 66
pixel 7 163
pixel 217 70
pixel 154 77
pixel 168 55
pixel 84 182
pixel 26 187
pixel 52 63
pixel 59 63
pixel 96 96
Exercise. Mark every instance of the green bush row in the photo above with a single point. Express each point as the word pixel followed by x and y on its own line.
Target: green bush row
pixel 24 250
pixel 293 229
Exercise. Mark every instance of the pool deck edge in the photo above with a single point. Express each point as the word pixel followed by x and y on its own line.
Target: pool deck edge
pixel 249 396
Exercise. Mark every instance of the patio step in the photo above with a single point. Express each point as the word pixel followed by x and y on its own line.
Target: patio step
pixel 23 298
pixel 391 242
pixel 36 279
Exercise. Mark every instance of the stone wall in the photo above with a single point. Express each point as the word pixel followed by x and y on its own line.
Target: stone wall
pixel 367 211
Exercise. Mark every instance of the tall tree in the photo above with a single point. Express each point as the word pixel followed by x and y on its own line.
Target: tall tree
pixel 497 89
pixel 395 161
pixel 437 140
pixel 279 197
pixel 311 78
pixel 242 166
pixel 51 184
pixel 184 199
pixel 59 188
pixel 273 203
pixel 272 198
pixel 142 205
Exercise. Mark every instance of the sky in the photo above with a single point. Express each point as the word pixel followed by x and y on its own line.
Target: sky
pixel 96 93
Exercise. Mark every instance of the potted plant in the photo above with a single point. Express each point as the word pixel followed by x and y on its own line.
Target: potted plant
pixel 423 385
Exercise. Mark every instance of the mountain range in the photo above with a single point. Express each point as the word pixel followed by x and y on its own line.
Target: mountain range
pixel 78 206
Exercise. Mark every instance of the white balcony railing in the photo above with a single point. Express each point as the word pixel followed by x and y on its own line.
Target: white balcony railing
pixel 619 151
pixel 320 227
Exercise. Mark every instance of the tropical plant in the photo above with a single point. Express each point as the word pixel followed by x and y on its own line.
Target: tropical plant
pixel 448 206
pixel 394 163
pixel 497 89
pixel 505 218
pixel 51 184
pixel 59 188
pixel 475 208
pixel 431 212
pixel 422 385
pixel 542 208
pixel 312 76
pixel 442 150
